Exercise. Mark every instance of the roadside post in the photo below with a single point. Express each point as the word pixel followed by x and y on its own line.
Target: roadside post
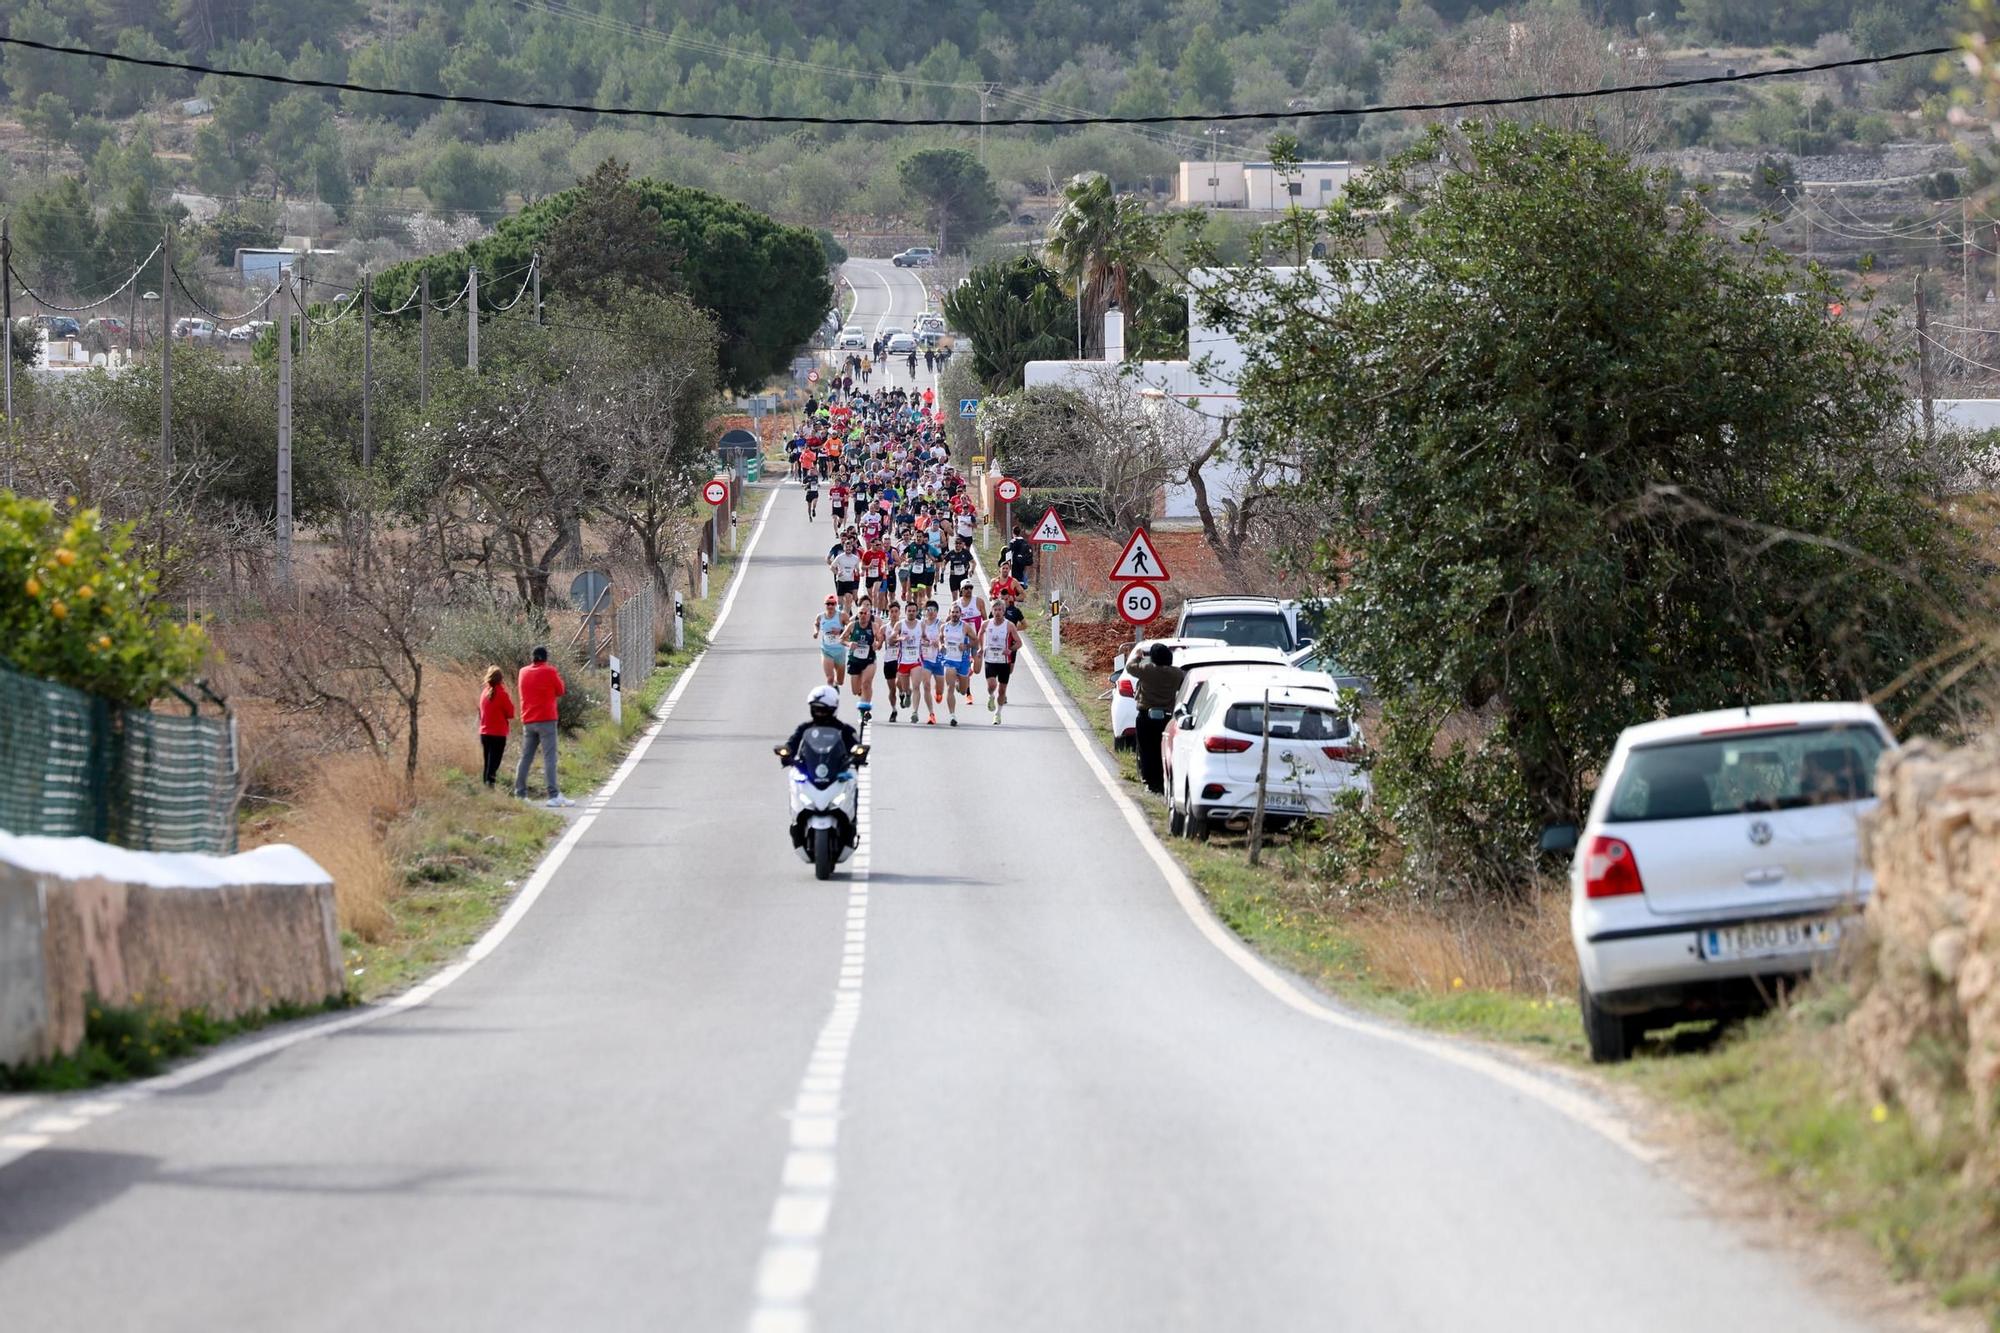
pixel 617 704
pixel 680 622
pixel 1055 619
pixel 716 492
pixel 704 576
pixel 1263 784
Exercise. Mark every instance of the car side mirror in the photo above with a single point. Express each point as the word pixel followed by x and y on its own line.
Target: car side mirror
pixel 1559 839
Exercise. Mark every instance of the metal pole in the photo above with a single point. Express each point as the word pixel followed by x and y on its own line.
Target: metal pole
pixel 167 347
pixel 285 429
pixel 132 324
pixel 1924 363
pixel 424 341
pixel 367 299
pixel 1263 781
pixel 535 275
pixel 304 298
pixel 7 316
pixel 472 319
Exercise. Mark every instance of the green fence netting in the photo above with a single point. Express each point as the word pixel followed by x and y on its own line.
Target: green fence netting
pixel 74 765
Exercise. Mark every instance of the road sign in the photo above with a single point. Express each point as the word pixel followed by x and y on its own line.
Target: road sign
pixel 1007 490
pixel 1049 532
pixel 716 492
pixel 1140 560
pixel 1050 548
pixel 587 589
pixel 812 377
pixel 979 460
pixel 968 407
pixel 1138 602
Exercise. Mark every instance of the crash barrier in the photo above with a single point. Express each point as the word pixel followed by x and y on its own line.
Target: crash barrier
pixel 76 765
pixel 633 633
pixel 83 923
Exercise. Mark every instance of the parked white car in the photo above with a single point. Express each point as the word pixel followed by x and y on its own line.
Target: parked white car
pixel 1218 752
pixel 1247 621
pixel 898 343
pixel 1125 689
pixel 917 256
pixel 1721 855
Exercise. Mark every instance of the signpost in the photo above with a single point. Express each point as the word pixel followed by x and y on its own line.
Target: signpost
pixel 716 492
pixel 812 377
pixel 968 408
pixel 1138 603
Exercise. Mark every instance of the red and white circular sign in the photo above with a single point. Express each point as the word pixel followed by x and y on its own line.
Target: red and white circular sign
pixel 1139 603
pixel 812 377
pixel 1007 490
pixel 716 492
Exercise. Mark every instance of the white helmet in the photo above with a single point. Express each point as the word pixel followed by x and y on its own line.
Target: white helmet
pixel 824 696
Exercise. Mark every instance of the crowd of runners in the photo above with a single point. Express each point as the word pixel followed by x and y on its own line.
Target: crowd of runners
pixel 907 612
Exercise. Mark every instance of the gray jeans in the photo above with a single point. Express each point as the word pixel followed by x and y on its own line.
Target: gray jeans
pixel 534 736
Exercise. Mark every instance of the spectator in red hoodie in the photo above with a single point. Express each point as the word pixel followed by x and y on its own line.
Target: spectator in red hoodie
pixel 540 686
pixel 496 709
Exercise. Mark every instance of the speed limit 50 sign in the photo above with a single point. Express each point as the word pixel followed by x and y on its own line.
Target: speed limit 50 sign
pixel 1139 603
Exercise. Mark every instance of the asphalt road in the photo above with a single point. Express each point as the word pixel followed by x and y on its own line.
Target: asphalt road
pixel 995 1078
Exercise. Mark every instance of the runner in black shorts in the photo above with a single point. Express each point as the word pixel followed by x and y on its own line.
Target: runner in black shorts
pixel 958 565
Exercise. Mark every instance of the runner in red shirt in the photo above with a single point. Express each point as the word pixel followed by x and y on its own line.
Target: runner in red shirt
pixel 875 568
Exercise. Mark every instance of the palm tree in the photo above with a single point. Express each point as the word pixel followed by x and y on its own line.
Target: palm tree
pixel 1096 242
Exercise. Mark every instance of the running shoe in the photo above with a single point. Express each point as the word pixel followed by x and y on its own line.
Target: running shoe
pixel 892 712
pixel 991 705
pixel 996 717
pixel 954 719
pixel 931 721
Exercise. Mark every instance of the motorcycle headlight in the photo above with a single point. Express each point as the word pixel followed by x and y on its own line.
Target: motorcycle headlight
pixel 820 772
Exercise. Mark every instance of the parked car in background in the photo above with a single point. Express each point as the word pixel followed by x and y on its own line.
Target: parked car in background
pixel 1318 656
pixel 1125 690
pixel 917 256
pixel 1219 753
pixel 852 339
pixel 249 331
pixel 56 326
pixel 1721 856
pixel 196 330
pixel 898 343
pixel 106 330
pixel 1263 622
pixel 930 319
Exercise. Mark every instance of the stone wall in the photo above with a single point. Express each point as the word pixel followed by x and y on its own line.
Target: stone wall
pixel 228 935
pixel 1929 1016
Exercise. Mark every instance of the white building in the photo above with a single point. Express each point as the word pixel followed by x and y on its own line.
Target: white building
pixel 1262 185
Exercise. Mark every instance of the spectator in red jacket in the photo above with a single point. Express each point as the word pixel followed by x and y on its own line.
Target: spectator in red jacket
pixel 540 686
pixel 496 709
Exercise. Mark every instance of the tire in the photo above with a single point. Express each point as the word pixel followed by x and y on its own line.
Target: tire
pixel 1176 821
pixel 1611 1037
pixel 1197 822
pixel 825 854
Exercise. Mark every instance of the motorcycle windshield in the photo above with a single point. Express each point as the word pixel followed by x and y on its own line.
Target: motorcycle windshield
pixel 822 755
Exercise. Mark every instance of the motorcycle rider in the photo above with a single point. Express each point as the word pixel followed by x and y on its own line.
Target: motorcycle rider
pixel 822 708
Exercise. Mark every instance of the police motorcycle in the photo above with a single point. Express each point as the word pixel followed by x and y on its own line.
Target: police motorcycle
pixel 820 760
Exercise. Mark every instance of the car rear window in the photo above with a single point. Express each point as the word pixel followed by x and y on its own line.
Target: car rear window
pixel 1244 630
pixel 1292 722
pixel 1754 770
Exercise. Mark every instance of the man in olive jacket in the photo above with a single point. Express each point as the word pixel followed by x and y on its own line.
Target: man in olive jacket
pixel 1159 685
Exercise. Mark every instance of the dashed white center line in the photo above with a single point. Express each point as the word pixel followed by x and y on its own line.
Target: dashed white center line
pixel 788 1273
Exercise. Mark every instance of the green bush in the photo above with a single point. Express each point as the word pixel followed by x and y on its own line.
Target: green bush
pixel 77 607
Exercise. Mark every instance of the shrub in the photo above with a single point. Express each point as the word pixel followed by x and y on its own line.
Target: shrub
pixel 77 607
pixel 501 632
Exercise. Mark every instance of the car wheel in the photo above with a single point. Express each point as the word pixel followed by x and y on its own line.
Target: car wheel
pixel 1611 1037
pixel 1197 822
pixel 1176 821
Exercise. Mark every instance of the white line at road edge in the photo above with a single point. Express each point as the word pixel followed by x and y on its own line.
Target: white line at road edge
pixel 13 1146
pixel 788 1272
pixel 1565 1101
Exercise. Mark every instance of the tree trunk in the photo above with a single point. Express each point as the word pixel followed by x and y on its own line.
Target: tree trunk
pixel 414 704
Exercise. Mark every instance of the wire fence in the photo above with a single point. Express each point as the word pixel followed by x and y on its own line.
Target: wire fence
pixel 76 765
pixel 635 634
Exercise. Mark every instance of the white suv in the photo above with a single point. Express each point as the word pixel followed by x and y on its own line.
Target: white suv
pixel 1218 752
pixel 1263 622
pixel 1722 853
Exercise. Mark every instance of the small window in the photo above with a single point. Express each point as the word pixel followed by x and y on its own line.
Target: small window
pixel 1212 181
pixel 1326 185
pixel 1295 189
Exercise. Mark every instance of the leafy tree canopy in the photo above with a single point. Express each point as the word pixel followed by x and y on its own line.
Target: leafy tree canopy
pixel 957 194
pixel 766 283
pixel 1012 311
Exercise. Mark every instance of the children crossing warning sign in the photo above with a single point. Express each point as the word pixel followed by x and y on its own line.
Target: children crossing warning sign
pixel 1141 560
pixel 1049 532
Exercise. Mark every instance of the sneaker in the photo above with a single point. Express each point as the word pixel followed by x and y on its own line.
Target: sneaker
pixel 557 802
pixel 991 705
pixel 996 717
pixel 954 720
pixel 931 721
pixel 892 712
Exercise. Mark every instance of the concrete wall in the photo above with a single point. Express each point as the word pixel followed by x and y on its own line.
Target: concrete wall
pixel 229 935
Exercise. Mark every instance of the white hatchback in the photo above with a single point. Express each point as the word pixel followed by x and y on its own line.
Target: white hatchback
pixel 1721 857
pixel 1125 688
pixel 1218 752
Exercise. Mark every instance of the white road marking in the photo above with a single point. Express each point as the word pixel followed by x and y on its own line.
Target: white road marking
pixel 789 1271
pixel 15 1146
pixel 1566 1101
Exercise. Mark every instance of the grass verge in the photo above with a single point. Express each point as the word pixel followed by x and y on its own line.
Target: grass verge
pixel 462 851
pixel 128 1042
pixel 1772 1085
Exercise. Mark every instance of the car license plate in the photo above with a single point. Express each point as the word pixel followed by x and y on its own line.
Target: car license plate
pixel 1769 939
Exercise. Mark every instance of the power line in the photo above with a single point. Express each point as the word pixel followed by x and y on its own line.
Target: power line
pixel 521 104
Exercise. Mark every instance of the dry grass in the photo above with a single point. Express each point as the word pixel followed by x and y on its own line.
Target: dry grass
pixel 1523 949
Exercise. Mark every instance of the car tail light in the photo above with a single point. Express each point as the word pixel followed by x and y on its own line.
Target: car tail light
pixel 1609 869
pixel 1213 791
pixel 1225 745
pixel 1341 752
pixel 1125 690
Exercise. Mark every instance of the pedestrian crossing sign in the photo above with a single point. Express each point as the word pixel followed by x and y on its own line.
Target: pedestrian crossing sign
pixel 1141 560
pixel 968 407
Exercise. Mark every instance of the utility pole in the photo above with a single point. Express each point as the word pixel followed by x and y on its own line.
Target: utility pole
pixel 424 342
pixel 1965 263
pixel 535 275
pixel 367 373
pixel 305 298
pixel 472 319
pixel 1924 363
pixel 285 429
pixel 986 91
pixel 167 347
pixel 7 317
